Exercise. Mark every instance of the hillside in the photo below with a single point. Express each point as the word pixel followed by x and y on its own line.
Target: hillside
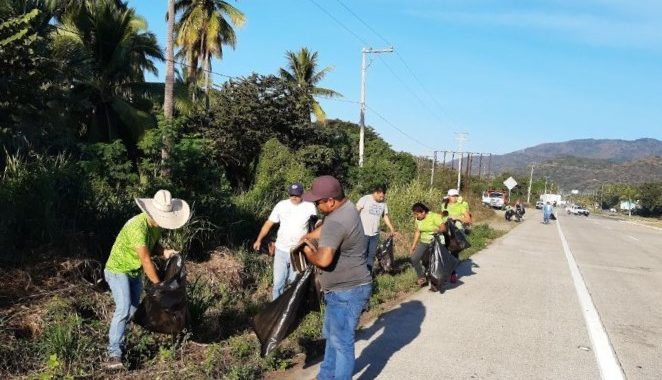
pixel 586 164
pixel 589 174
pixel 616 151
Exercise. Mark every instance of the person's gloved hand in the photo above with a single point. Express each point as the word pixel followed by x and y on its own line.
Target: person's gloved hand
pixel 168 253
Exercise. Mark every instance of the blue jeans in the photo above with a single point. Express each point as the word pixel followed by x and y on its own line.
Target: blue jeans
pixel 545 218
pixel 126 294
pixel 283 272
pixel 371 243
pixel 342 312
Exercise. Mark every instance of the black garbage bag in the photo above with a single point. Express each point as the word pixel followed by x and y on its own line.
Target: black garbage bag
pixel 164 309
pixel 441 263
pixel 456 239
pixel 385 257
pixel 284 314
pixel 552 216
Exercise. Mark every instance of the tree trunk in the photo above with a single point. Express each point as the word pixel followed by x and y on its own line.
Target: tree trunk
pixel 168 100
pixel 207 79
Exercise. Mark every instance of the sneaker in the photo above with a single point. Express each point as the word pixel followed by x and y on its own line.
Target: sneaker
pixel 453 278
pixel 113 363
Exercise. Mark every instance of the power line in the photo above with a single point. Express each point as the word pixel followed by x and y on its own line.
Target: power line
pixel 384 119
pixel 407 66
pixel 340 23
pixel 398 129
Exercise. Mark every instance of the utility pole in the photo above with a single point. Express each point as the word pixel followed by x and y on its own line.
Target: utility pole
pixel 528 194
pixel 480 165
pixel 434 164
pixel 461 138
pixel 364 68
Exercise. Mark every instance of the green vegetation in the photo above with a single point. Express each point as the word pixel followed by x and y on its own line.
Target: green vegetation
pixel 82 135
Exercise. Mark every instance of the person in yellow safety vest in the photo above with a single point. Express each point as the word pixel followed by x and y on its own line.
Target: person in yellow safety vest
pixel 457 209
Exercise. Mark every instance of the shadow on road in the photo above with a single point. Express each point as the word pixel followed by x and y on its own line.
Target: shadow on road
pixel 466 268
pixel 400 327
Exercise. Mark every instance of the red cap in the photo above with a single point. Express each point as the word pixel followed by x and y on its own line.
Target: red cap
pixel 323 187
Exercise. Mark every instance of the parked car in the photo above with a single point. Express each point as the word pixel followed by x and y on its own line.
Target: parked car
pixel 495 198
pixel 540 204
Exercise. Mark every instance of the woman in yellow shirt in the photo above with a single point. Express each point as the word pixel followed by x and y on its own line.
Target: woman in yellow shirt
pixel 427 224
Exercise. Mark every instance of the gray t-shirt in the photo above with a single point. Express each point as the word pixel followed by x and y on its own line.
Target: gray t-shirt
pixel 343 231
pixel 371 214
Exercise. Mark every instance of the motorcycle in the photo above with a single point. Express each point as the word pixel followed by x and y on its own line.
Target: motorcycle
pixel 511 212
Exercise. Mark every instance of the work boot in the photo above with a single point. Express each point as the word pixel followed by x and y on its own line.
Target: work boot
pixel 113 363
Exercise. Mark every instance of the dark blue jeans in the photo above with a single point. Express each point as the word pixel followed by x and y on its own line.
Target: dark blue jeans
pixel 371 243
pixel 342 312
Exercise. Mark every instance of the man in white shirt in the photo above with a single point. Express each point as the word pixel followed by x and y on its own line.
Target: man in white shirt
pixel 292 214
pixel 372 208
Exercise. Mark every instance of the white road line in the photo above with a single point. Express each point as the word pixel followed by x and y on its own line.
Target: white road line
pixel 632 237
pixel 610 367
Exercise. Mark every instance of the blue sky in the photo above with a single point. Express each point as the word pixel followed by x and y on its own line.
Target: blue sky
pixel 512 74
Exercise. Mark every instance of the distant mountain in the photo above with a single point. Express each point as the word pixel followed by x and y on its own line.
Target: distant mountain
pixel 586 164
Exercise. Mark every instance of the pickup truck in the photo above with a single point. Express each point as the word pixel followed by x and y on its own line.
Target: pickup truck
pixel 577 210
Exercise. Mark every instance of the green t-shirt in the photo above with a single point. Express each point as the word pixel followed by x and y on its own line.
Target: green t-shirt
pixel 135 233
pixel 428 226
pixel 456 210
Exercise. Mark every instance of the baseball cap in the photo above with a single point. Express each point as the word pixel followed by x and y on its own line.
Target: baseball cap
pixel 323 187
pixel 295 189
pixel 453 192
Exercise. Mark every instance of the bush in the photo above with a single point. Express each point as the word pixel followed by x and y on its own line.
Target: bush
pixel 277 168
pixel 400 198
pixel 41 197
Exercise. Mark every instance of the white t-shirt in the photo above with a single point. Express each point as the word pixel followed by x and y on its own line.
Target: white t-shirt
pixel 293 221
pixel 371 214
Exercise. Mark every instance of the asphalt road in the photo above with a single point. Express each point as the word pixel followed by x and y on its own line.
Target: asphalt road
pixel 518 312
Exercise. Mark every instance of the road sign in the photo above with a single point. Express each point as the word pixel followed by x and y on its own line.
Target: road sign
pixel 510 183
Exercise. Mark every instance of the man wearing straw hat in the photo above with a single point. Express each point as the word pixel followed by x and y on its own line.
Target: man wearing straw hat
pixel 131 255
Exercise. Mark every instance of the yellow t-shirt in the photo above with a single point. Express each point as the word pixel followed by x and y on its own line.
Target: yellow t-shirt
pixel 428 226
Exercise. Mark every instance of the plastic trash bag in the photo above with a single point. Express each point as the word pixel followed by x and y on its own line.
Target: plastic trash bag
pixel 552 216
pixel 164 308
pixel 441 263
pixel 284 314
pixel 385 257
pixel 456 240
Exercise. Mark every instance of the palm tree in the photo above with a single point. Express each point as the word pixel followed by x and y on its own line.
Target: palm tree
pixel 106 47
pixel 303 73
pixel 202 31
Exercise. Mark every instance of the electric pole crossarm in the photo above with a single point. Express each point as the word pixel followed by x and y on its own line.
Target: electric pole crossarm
pixel 364 68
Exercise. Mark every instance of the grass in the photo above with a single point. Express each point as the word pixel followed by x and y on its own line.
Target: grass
pixel 72 339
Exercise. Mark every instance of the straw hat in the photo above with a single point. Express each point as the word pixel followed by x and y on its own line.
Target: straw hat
pixel 168 212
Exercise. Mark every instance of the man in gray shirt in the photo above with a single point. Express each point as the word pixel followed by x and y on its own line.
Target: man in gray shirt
pixel 345 278
pixel 372 208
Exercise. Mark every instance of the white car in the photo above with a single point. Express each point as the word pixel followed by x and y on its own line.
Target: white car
pixel 496 200
pixel 577 210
